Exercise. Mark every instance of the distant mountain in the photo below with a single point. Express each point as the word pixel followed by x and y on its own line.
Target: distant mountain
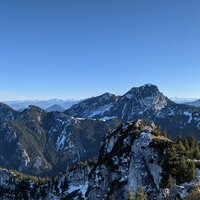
pixel 55 108
pixel 145 102
pixel 182 100
pixel 194 103
pixel 44 104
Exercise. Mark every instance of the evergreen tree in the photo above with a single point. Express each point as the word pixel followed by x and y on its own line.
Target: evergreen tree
pixel 187 147
pixel 170 182
pixel 192 171
pixel 141 194
pixel 186 171
pixel 180 148
pixel 130 194
pixel 196 152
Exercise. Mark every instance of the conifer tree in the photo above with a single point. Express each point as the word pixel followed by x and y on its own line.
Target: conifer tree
pixel 131 194
pixel 141 194
pixel 192 171
pixel 170 182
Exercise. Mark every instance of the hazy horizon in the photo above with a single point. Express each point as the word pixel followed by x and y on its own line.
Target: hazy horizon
pixel 76 99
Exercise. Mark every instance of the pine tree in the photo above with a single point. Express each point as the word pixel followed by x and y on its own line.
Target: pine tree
pixel 141 194
pixel 192 171
pixel 187 147
pixel 180 148
pixel 170 182
pixel 130 194
pixel 196 152
pixel 171 160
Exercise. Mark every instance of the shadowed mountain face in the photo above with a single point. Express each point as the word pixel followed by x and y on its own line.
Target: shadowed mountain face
pixel 39 142
pixel 145 102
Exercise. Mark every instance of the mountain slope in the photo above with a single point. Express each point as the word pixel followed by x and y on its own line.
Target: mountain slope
pixel 94 107
pixel 38 142
pixel 6 113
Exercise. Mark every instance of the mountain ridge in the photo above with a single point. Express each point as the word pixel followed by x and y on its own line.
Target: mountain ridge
pixel 145 102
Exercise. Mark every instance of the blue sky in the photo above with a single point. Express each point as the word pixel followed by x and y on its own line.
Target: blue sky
pixel 81 48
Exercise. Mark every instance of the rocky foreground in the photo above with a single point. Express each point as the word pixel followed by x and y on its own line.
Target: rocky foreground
pixel 130 157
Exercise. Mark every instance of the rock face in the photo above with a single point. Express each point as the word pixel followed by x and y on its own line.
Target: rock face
pixel 145 102
pixel 129 157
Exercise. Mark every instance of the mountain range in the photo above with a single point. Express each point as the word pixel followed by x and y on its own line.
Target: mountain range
pixel 39 142
pixel 194 103
pixel 182 100
pixel 51 104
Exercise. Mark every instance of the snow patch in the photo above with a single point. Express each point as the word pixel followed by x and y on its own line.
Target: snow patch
pixel 189 115
pixel 108 118
pixel 61 141
pixel 81 188
pixel 38 163
pixel 100 111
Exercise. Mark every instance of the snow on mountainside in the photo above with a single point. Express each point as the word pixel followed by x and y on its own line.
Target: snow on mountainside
pixel 94 107
pixel 145 102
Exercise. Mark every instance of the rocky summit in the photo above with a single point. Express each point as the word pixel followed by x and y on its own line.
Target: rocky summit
pixel 145 102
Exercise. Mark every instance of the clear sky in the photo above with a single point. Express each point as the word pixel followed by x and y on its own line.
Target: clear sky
pixel 82 48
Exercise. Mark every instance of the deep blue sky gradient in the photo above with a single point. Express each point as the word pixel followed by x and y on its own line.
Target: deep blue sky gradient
pixel 81 48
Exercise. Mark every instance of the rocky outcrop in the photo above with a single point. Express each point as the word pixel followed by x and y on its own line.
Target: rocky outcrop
pixel 129 157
